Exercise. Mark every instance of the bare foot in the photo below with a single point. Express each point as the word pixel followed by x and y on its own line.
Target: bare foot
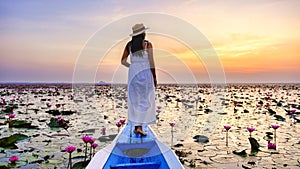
pixel 139 130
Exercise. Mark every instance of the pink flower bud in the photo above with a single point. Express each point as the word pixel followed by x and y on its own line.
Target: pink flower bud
pixel 58 119
pixel 172 124
pixel 13 159
pixel 119 124
pixel 86 139
pixel 122 121
pixel 49 105
pixel 275 126
pixel 292 111
pixel 267 105
pixel 94 145
pixel 271 145
pixel 92 140
pixel 227 127
pixel 11 116
pixel 250 129
pixel 70 149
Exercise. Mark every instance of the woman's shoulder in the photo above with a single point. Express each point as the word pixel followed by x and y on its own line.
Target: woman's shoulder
pixel 128 45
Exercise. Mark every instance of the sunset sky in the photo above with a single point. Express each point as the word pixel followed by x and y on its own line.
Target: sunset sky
pixel 51 40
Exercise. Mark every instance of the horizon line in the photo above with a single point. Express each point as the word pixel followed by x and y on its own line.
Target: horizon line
pixel 162 83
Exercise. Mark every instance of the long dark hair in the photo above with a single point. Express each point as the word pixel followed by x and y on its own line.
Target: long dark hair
pixel 137 43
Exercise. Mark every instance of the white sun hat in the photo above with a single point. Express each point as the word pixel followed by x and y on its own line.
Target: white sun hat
pixel 138 29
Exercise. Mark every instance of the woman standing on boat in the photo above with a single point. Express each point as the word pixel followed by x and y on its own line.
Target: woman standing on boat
pixel 141 80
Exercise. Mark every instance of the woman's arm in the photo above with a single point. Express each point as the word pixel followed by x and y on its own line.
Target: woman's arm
pixel 151 62
pixel 124 57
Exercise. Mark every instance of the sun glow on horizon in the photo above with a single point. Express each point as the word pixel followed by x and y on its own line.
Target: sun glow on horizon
pixel 250 38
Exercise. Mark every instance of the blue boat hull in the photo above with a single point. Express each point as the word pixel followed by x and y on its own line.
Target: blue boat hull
pixel 129 150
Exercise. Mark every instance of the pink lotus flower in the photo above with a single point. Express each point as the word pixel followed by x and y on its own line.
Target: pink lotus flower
pixel 57 106
pixel 227 127
pixel 11 116
pixel 92 140
pixel 267 105
pixel 158 110
pixel 103 130
pixel 250 129
pixel 13 159
pixel 49 105
pixel 292 111
pixel 58 119
pixel 172 124
pixel 271 146
pixel 86 139
pixel 119 124
pixel 70 149
pixel 234 103
pixel 158 107
pixel 258 105
pixel 122 121
pixel 94 145
pixel 275 126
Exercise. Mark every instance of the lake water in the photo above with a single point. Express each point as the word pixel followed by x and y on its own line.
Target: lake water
pixel 195 109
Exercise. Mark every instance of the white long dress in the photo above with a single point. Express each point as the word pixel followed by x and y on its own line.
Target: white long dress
pixel 141 91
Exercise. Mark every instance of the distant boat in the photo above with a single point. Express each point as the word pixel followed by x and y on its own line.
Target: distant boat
pixel 130 151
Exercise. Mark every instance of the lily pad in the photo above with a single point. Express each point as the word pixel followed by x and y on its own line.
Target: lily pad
pixel 271 112
pixel 53 112
pixel 246 111
pixel 240 153
pixel 254 145
pixel 201 139
pixel 54 161
pixel 3 165
pixel 279 118
pixel 23 124
pixel 9 142
pixel 68 112
pixel 80 165
pixel 9 109
pixel 57 112
pixel 18 164
pixel 54 123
